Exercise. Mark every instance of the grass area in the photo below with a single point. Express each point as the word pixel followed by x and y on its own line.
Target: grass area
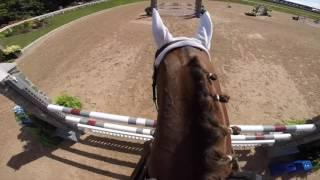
pixel 316 164
pixel 294 121
pixel 25 39
pixel 277 7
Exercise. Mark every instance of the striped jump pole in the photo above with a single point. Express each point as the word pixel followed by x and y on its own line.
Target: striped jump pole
pixel 104 116
pixel 253 142
pixel 115 132
pixel 143 137
pixel 278 137
pixel 276 128
pixel 153 123
pixel 93 122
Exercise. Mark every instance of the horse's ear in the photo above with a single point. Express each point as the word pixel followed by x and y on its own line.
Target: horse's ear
pixel 161 33
pixel 205 30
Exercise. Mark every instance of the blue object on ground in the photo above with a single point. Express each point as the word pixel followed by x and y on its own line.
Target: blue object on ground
pixel 279 169
pixel 303 165
pixel 18 109
pixel 282 168
pixel 25 120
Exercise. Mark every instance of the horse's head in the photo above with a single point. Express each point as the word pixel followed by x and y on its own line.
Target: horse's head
pixel 192 139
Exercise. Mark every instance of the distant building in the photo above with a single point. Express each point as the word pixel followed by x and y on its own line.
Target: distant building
pixel 315 10
pixel 300 6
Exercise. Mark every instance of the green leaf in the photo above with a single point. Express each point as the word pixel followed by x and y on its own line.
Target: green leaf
pixel 68 101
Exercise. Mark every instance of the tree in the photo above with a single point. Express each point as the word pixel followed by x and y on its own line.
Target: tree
pixel 12 10
pixel 3 13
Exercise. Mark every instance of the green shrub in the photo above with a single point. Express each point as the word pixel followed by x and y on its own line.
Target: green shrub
pixel 12 49
pixel 10 52
pixel 24 28
pixel 68 101
pixel 36 24
pixel 316 164
pixel 8 32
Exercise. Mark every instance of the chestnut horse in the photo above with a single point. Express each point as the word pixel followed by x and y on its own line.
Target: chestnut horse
pixel 192 138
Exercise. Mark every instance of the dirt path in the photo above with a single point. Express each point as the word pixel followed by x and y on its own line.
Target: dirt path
pixel 269 67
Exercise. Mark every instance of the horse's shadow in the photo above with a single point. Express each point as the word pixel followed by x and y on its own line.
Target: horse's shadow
pixel 256 162
pixel 34 150
pixel 143 16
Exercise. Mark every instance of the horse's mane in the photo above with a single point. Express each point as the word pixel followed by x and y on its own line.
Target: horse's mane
pixel 206 125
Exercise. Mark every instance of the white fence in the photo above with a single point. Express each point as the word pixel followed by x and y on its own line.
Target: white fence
pixel 54 13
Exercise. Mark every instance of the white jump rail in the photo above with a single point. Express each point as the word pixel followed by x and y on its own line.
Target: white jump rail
pixel 104 116
pixel 128 129
pixel 278 137
pixel 153 123
pixel 51 14
pixel 121 134
pixel 115 132
pixel 93 122
pixel 276 128
pixel 253 142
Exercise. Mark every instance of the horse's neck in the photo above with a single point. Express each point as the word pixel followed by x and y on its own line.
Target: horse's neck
pixel 175 104
pixel 178 148
pixel 174 153
pixel 173 142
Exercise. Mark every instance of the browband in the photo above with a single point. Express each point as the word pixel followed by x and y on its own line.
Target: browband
pixel 165 46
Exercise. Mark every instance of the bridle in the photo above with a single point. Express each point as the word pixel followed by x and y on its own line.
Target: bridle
pixel 211 76
pixel 155 72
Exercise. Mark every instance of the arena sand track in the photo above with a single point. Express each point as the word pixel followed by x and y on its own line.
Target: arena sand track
pixel 269 67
